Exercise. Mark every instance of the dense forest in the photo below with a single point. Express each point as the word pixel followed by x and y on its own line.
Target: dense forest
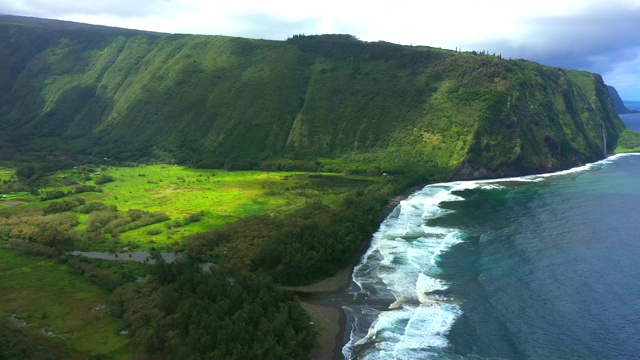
pixel 392 117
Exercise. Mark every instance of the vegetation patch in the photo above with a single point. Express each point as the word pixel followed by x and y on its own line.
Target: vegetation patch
pixel 184 312
pixel 155 206
pixel 66 309
pixel 629 141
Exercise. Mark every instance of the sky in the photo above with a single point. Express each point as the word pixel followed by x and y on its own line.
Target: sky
pixel 601 36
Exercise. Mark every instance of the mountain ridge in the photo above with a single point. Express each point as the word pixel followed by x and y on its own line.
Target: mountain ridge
pixel 618 103
pixel 322 101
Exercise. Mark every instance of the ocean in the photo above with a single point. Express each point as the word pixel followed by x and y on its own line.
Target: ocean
pixel 632 120
pixel 538 267
pixel 632 105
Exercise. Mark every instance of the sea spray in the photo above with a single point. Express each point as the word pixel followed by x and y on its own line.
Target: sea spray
pixel 401 267
pixel 530 249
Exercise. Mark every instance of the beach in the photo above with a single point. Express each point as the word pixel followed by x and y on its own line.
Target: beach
pixel 323 300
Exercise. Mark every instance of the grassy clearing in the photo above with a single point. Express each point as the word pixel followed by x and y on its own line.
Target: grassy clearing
pixel 629 141
pixel 218 196
pixel 222 196
pixel 46 296
pixel 5 173
pixel 620 149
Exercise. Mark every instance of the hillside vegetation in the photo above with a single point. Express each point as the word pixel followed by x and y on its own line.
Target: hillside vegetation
pixel 44 297
pixel 331 102
pixel 629 141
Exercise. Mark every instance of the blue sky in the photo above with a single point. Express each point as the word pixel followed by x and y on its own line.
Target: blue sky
pixel 600 36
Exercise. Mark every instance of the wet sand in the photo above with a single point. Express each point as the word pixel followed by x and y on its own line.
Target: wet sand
pixel 326 313
pixel 330 321
pixel 337 282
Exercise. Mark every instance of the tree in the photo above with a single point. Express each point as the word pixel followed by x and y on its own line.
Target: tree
pixel 183 312
pixel 25 171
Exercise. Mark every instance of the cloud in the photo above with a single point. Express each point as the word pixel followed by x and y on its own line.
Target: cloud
pixel 594 35
pixel 601 39
pixel 256 25
pixel 573 39
pixel 58 8
pixel 625 76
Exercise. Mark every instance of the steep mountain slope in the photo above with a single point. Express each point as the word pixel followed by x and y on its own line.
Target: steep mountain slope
pixel 618 104
pixel 332 101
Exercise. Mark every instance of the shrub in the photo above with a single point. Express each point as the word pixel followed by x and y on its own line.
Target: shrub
pixel 31 248
pixel 154 231
pixel 59 206
pixel 104 179
pixel 191 218
pixel 97 206
pixel 85 188
pixel 52 195
pixel 99 219
pixel 26 171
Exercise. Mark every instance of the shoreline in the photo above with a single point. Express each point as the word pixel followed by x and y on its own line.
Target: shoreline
pixel 325 299
pixel 322 300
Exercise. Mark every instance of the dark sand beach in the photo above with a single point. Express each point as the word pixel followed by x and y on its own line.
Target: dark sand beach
pixel 323 300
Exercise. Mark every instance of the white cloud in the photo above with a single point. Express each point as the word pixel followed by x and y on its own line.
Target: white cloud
pixel 625 77
pixel 439 23
pixel 585 34
pixel 66 8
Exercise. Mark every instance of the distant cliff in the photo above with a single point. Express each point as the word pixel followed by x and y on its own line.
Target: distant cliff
pixel 330 102
pixel 617 102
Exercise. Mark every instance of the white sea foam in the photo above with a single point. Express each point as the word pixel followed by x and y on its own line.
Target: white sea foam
pixel 403 263
pixel 542 177
pixel 428 326
pixel 615 157
pixel 425 285
pixel 403 333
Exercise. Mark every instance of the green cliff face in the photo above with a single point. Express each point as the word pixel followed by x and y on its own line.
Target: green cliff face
pixel 215 101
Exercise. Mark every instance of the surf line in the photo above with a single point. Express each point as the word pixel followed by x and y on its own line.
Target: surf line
pixel 401 268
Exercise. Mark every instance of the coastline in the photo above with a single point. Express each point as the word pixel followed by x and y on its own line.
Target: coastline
pixel 323 300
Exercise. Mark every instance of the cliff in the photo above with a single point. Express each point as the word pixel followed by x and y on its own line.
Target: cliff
pixel 618 104
pixel 333 102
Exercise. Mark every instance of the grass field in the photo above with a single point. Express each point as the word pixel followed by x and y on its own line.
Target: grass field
pixel 68 308
pixel 219 196
pixel 629 141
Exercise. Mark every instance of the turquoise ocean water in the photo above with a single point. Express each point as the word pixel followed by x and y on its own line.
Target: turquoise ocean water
pixel 540 267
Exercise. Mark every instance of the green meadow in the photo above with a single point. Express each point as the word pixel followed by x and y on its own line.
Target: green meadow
pixel 67 310
pixel 192 200
pixel 629 141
